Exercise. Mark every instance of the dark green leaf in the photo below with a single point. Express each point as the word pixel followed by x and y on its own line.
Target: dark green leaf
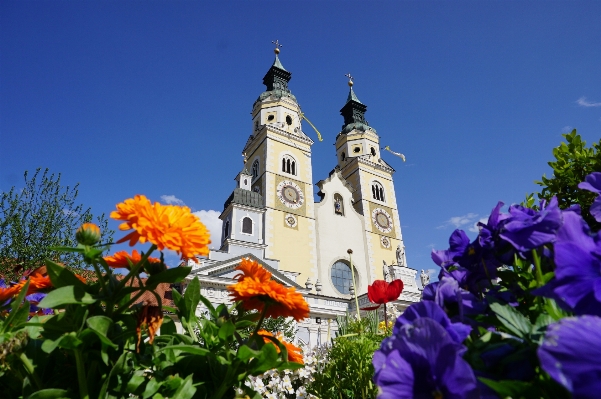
pixel 245 353
pixel 66 296
pixel 15 305
pixel 173 275
pixel 61 276
pixel 226 331
pixel 514 321
pixel 186 390
pixel 52 393
pixel 195 350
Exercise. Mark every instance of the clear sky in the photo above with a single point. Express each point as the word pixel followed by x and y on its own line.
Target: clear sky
pixel 155 97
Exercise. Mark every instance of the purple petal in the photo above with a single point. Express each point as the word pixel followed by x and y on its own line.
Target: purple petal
pixel 595 209
pixel 571 354
pixel 394 376
pixel 592 183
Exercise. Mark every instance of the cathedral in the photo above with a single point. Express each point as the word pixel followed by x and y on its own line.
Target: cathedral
pixel 353 233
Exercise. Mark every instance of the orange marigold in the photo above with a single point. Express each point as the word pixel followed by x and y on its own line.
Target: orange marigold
pixel 294 352
pixel 37 282
pixel 120 259
pixel 256 292
pixel 166 226
pixel 253 270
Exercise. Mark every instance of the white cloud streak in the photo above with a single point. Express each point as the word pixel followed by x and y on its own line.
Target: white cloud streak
pixel 459 221
pixel 211 219
pixel 171 200
pixel 583 102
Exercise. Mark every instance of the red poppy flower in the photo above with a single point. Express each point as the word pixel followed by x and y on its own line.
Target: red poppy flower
pixel 381 292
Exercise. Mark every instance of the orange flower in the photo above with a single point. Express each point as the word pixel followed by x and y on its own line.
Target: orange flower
pixel 120 259
pixel 256 291
pixel 37 282
pixel 253 270
pixel 150 318
pixel 166 226
pixel 7 293
pixel 88 234
pixel 294 352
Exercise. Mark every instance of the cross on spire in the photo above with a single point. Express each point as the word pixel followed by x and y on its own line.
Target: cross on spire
pixel 350 79
pixel 277 46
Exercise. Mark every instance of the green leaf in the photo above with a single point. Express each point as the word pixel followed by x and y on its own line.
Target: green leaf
pixel 66 296
pixel 186 390
pixel 168 327
pixel 226 330
pixel 61 276
pixel 194 350
pixel 245 353
pixel 173 275
pixel 514 321
pixel 16 314
pixel 151 388
pixel 67 249
pixel 101 325
pixel 51 393
pixel 191 298
pixel 511 388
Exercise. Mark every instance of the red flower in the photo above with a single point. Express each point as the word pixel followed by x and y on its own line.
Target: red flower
pixel 381 292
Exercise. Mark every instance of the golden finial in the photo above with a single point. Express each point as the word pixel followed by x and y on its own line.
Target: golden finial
pixel 350 79
pixel 277 46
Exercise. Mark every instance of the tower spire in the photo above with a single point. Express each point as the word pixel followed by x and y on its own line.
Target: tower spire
pixel 277 77
pixel 353 111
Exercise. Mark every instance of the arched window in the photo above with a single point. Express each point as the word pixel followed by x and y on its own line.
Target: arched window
pixel 247 225
pixel 226 229
pixel 342 156
pixel 288 165
pixel 255 169
pixel 341 277
pixel 377 191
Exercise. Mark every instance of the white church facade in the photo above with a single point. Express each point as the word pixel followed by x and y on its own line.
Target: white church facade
pixel 271 215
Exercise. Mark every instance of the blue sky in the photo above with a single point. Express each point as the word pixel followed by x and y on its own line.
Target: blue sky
pixel 155 97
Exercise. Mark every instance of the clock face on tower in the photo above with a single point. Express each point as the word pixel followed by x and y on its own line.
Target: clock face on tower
pixel 290 194
pixel 382 220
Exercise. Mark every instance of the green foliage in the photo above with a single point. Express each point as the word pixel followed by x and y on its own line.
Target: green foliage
pixel 348 371
pixel 100 343
pixel 573 162
pixel 281 325
pixel 42 215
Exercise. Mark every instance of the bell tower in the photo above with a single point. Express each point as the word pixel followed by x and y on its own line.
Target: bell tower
pixel 359 161
pixel 279 155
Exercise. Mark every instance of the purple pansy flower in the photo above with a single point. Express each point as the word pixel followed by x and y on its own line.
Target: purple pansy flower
pixel 456 301
pixel 421 360
pixel 593 183
pixel 527 229
pixel 577 281
pixel 457 331
pixel 571 354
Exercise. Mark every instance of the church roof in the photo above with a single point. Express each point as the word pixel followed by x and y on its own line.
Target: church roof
pixel 245 197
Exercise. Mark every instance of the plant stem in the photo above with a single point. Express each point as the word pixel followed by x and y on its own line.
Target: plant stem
pixel 537 268
pixel 350 256
pixel 31 371
pixel 385 320
pixel 263 313
pixel 81 375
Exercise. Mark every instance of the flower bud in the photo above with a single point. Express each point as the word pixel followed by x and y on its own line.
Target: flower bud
pixel 88 234
pixel 155 267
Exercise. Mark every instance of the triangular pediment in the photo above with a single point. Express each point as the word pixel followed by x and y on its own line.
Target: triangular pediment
pixel 226 269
